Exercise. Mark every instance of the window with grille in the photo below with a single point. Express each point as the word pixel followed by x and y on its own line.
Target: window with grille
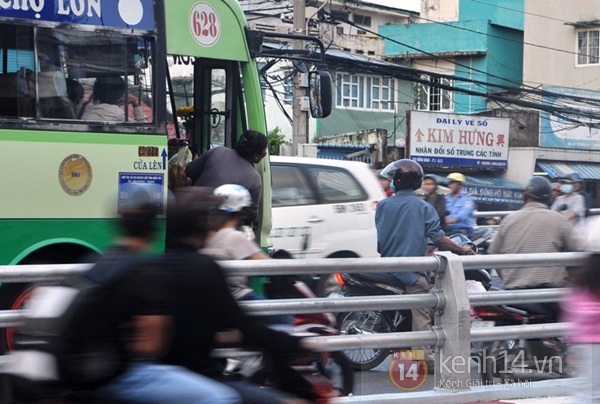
pixel 588 45
pixel 357 91
pixel 430 97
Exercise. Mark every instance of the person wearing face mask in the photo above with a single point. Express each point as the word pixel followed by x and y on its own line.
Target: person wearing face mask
pixel 535 229
pixel 570 204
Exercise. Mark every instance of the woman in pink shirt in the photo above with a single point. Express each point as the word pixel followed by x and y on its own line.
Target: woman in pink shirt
pixel 582 309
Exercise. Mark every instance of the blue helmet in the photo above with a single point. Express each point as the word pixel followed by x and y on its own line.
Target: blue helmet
pixel 404 174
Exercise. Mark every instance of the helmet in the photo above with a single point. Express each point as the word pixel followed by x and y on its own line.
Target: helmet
pixel 404 174
pixel 538 188
pixel 236 197
pixel 379 175
pixel 138 210
pixel 191 213
pixel 575 177
pixel 458 177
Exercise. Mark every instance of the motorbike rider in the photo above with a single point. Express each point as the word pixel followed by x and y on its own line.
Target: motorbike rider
pixel 460 207
pixel 137 331
pixel 404 223
pixel 570 204
pixel 437 199
pixel 535 229
pixel 193 293
pixel 229 243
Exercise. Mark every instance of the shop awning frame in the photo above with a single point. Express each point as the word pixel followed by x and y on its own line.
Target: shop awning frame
pixel 558 169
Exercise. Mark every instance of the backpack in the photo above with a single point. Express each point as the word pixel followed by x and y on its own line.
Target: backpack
pixel 70 339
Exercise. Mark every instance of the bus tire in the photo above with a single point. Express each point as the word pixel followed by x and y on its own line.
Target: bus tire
pixel 12 297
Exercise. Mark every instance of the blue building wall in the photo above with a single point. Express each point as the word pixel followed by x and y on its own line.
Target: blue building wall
pixel 486 44
pixel 505 13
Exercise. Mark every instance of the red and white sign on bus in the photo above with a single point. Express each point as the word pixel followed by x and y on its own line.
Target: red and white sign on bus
pixel 205 24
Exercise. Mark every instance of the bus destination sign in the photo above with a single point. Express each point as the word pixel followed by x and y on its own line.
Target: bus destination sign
pixel 137 14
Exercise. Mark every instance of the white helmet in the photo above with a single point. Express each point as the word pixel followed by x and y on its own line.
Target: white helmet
pixel 236 197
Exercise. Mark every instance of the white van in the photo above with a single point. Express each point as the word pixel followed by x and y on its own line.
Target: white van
pixel 324 208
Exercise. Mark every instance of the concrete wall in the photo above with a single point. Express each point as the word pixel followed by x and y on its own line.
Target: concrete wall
pixel 524 126
pixel 455 36
pixel 439 10
pixel 553 60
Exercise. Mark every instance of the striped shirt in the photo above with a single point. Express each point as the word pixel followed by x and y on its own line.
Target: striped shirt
pixel 534 229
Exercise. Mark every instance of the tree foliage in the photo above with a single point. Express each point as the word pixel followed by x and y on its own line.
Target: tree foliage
pixel 276 139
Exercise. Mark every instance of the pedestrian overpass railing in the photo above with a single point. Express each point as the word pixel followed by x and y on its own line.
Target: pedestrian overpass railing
pixel 451 336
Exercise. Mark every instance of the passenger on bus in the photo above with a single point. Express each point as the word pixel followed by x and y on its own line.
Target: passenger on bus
pixel 75 94
pixel 106 101
pixel 221 165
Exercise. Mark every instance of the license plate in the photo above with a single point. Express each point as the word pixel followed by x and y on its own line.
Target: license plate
pixel 482 324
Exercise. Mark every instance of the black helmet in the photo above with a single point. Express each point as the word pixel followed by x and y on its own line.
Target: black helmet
pixel 404 174
pixel 538 188
pixel 193 212
pixel 138 209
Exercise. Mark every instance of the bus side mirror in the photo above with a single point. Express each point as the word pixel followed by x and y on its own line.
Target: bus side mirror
pixel 319 93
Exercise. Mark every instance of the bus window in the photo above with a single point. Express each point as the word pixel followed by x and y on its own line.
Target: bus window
pixel 218 107
pixel 83 57
pixel 63 64
pixel 17 87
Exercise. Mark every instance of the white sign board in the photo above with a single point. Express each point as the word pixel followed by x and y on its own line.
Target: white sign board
pixel 438 139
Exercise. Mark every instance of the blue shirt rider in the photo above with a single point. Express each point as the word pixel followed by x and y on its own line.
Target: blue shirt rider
pixel 404 222
pixel 460 206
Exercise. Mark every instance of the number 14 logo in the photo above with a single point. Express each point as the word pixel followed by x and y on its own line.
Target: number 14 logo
pixel 408 369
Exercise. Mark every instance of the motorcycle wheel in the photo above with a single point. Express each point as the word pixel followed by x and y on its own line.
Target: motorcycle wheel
pixel 336 367
pixel 501 360
pixel 354 323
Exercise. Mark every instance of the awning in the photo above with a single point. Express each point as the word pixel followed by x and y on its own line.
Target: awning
pixel 557 169
pixel 490 189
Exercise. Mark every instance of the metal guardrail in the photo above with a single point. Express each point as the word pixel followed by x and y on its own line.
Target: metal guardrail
pixel 451 336
pixel 502 213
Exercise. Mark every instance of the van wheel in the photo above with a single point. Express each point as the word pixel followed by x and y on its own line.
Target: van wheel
pixel 327 284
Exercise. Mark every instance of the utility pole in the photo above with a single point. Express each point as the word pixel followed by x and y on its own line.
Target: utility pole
pixel 300 123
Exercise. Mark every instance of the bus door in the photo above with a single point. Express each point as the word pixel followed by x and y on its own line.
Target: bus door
pixel 207 102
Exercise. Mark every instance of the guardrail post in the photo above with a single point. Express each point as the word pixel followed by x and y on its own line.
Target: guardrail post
pixel 452 358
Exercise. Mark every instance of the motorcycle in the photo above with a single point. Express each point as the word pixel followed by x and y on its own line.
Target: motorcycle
pixel 370 321
pixel 312 375
pixel 380 321
pixel 315 376
pixel 482 238
pixel 520 360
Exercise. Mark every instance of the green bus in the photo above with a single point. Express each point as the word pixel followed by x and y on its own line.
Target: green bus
pixel 67 165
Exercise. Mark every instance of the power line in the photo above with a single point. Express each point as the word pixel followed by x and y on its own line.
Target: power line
pixel 487 95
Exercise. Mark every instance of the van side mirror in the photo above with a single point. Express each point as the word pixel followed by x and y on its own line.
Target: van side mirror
pixel 320 93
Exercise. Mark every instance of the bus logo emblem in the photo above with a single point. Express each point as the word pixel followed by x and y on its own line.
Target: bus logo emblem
pixel 205 24
pixel 75 174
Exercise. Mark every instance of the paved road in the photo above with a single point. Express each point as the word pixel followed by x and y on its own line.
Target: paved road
pixel 377 380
